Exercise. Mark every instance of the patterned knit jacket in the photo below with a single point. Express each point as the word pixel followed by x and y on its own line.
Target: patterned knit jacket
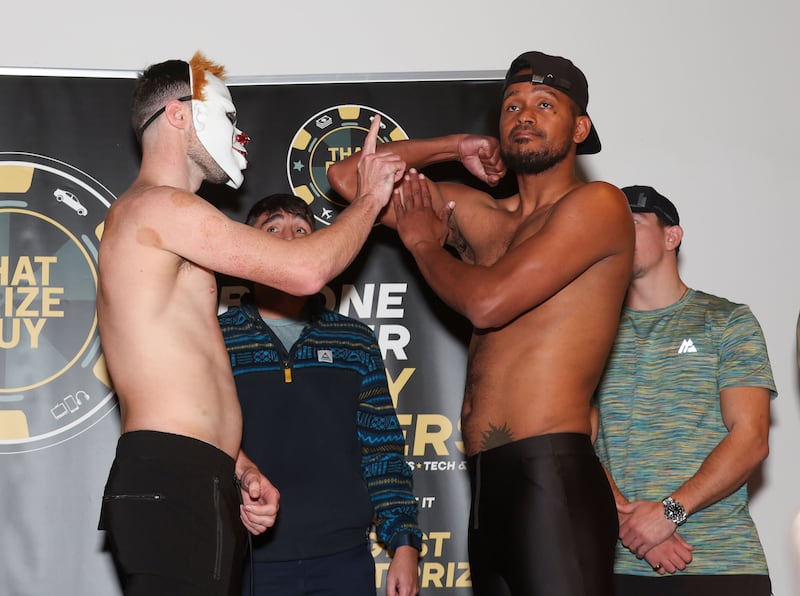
pixel 319 421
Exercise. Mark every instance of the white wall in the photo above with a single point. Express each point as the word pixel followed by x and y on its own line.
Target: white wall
pixel 694 98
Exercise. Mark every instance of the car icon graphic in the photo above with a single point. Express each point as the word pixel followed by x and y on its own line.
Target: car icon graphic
pixel 69 199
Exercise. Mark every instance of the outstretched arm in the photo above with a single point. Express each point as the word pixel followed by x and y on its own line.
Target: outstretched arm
pixel 479 154
pixel 182 223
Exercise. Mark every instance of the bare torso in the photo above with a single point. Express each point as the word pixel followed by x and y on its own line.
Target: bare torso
pixel 536 374
pixel 161 339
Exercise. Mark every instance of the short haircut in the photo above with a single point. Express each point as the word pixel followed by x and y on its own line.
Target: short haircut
pixel 157 85
pixel 280 202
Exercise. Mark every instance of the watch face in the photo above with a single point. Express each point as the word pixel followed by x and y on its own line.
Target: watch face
pixel 674 511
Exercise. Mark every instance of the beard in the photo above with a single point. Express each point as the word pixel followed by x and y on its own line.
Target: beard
pixel 523 161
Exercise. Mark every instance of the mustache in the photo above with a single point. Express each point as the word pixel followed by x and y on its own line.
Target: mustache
pixel 528 128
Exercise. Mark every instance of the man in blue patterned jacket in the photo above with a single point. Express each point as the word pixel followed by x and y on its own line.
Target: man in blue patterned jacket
pixel 320 423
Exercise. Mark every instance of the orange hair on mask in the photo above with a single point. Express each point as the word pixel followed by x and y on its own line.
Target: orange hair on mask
pixel 199 66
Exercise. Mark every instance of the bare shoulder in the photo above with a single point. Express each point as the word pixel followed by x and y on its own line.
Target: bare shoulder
pixel 158 199
pixel 600 202
pixel 607 195
pixel 164 218
pixel 594 216
pixel 164 208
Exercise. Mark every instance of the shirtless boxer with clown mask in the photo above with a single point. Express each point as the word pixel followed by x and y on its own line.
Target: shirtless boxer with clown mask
pixel 180 494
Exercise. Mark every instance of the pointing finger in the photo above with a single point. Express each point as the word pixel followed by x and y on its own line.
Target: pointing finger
pixel 372 136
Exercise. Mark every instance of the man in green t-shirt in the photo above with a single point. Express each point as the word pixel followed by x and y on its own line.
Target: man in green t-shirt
pixel 683 422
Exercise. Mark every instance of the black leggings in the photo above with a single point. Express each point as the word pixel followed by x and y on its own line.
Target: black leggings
pixel 171 509
pixel 543 519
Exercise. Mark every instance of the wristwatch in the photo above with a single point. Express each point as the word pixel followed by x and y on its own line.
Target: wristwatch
pixel 674 511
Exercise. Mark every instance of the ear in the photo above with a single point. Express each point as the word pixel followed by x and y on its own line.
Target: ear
pixel 673 237
pixel 178 113
pixel 583 124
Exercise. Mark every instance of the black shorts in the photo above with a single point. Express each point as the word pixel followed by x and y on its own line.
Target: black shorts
pixel 171 509
pixel 543 519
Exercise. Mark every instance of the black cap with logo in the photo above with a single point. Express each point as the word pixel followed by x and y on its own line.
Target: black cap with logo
pixel 646 199
pixel 558 73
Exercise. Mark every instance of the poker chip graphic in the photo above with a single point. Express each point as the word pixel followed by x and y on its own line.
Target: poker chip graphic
pixel 327 137
pixel 53 380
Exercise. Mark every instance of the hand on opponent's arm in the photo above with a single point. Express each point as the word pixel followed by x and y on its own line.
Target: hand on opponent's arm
pixel 417 221
pixel 479 155
pixel 259 497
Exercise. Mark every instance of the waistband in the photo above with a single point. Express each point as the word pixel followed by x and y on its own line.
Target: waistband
pixel 176 448
pixel 550 444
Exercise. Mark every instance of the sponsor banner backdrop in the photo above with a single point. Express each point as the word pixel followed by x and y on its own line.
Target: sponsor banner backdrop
pixel 66 152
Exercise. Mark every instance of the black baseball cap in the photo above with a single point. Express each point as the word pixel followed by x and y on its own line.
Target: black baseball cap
pixel 646 199
pixel 558 73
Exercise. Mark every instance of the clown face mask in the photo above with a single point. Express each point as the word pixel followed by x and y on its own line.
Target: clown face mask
pixel 215 123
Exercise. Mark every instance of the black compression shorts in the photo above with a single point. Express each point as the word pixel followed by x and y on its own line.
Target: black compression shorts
pixel 543 519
